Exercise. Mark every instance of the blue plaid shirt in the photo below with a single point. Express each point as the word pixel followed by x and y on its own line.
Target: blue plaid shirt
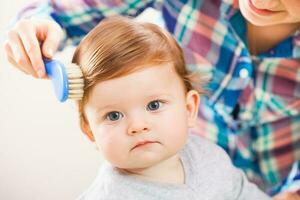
pixel 253 107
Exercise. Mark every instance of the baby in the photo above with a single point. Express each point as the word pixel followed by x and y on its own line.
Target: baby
pixel 139 102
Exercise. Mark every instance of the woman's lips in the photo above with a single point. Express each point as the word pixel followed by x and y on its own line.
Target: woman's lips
pixel 260 11
pixel 143 143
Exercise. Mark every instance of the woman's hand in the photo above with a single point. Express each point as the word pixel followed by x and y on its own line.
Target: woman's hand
pixel 29 41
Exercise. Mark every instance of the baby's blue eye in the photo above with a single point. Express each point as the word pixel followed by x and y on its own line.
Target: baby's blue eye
pixel 154 105
pixel 114 116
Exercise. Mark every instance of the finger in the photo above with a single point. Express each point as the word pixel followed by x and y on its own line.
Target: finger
pixel 53 38
pixel 9 57
pixel 11 60
pixel 16 55
pixel 32 49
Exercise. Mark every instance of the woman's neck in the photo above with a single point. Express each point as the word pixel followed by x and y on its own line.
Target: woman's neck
pixel 263 38
pixel 167 171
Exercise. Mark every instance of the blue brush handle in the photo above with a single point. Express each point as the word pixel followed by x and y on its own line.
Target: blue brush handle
pixel 57 73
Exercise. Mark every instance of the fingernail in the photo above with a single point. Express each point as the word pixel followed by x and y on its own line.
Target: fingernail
pixel 50 52
pixel 40 73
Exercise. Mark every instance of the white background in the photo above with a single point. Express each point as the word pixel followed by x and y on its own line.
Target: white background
pixel 43 154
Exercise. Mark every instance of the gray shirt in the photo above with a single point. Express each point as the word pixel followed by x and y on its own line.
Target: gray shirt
pixel 209 175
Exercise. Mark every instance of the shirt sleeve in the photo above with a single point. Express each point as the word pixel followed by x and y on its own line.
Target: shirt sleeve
pixel 78 17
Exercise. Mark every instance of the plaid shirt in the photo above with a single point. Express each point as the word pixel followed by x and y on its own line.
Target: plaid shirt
pixel 253 107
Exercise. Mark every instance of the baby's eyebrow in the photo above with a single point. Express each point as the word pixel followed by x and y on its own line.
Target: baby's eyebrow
pixel 160 95
pixel 105 107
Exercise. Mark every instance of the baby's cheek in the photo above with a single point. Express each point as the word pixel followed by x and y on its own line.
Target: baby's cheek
pixel 115 151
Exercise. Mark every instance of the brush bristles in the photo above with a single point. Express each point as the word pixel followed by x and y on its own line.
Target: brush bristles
pixel 75 81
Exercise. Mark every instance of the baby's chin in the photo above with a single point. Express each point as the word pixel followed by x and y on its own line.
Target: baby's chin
pixel 138 166
pixel 148 162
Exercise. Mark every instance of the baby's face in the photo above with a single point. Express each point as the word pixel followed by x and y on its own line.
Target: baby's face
pixel 140 119
pixel 270 12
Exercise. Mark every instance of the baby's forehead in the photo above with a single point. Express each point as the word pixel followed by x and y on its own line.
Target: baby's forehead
pixel 139 73
pixel 147 81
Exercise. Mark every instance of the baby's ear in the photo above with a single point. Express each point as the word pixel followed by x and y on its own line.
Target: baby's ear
pixel 85 127
pixel 192 105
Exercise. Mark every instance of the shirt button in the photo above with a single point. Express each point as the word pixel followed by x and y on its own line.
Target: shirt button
pixel 244 73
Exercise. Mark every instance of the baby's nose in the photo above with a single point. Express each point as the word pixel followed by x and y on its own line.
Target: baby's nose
pixel 138 126
pixel 138 130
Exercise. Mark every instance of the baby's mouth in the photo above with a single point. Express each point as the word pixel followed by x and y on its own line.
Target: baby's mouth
pixel 144 143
